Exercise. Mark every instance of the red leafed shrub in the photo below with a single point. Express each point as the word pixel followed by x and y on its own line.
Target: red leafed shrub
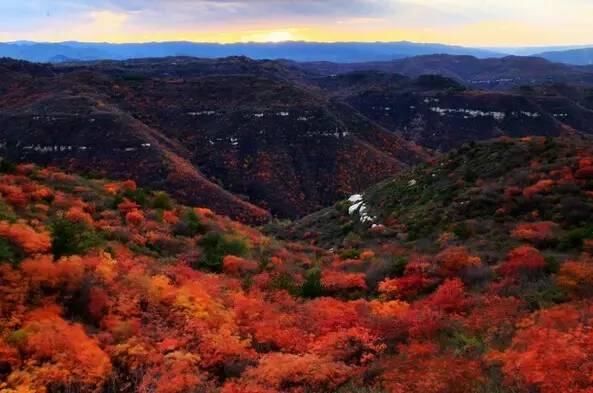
pixel 98 303
pixel 405 287
pixel 177 373
pixel 536 232
pixel 523 260
pixel 25 237
pixel 278 370
pixel 41 270
pixel 420 368
pixel 576 278
pixel 540 187
pixel 551 353
pixel 127 206
pixel 112 188
pixel 355 345
pixel 454 260
pixel 336 281
pixel 77 214
pixel 449 297
pixel 14 195
pixel 42 194
pixel 135 217
pixel 236 266
pixel 129 185
pixel 62 353
pixel 170 217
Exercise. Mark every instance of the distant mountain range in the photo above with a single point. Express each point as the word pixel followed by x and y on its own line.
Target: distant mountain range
pixel 345 52
pixel 341 52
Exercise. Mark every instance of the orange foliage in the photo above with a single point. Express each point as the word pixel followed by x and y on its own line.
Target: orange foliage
pixel 61 353
pixel 236 266
pixel 170 217
pixel 135 217
pixel 576 277
pixel 283 370
pixel 337 281
pixel 14 195
pixel 129 185
pixel 453 260
pixel 77 214
pixel 420 368
pixel 536 232
pixel 25 237
pixel 552 353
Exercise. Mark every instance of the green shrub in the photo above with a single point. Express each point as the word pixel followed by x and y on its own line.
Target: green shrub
pixel 8 253
pixel 352 253
pixel 398 266
pixel 69 238
pixel 574 239
pixel 284 281
pixel 162 201
pixel 312 287
pixel 139 195
pixel 216 246
pixel 189 225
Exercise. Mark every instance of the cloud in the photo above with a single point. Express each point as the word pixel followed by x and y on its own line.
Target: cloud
pixel 455 21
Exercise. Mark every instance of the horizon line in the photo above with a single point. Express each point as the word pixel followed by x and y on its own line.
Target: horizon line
pixel 501 46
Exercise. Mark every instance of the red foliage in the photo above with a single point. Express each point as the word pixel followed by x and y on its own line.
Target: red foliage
pixel 135 217
pixel 536 232
pixel 14 195
pixel 522 260
pixel 540 187
pixel 552 353
pixel 454 260
pixel 237 266
pixel 77 214
pixel 420 368
pixel 62 353
pixel 576 278
pixel 278 370
pixel 449 297
pixel 339 281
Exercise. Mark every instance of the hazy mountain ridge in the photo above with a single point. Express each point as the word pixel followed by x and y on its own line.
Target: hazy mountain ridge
pixel 297 51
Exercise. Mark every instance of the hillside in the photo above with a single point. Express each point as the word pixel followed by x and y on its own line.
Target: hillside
pixel 260 139
pixel 477 194
pixel 205 130
pixel 464 275
pixel 440 113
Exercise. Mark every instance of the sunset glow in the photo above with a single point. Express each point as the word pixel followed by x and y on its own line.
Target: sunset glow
pixel 465 22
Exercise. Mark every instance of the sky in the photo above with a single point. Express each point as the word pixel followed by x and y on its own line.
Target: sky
pixel 463 22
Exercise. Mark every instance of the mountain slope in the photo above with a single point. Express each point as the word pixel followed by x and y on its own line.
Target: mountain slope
pixel 198 128
pixel 477 272
pixel 440 113
pixel 477 194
